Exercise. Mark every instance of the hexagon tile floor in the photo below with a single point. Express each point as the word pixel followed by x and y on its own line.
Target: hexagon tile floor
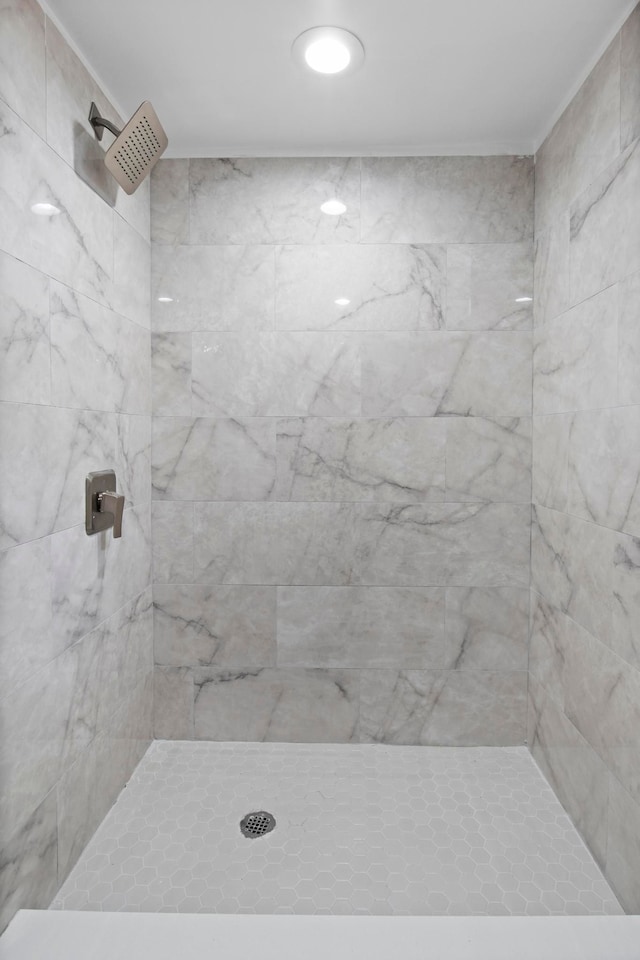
pixel 359 829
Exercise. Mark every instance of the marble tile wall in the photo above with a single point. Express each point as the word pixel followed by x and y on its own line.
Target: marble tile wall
pixel 341 461
pixel 76 659
pixel 584 692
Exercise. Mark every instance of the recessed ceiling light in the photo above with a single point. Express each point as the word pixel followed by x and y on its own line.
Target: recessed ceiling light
pixel 165 299
pixel 45 209
pixel 342 301
pixel 524 299
pixel 333 207
pixel 328 50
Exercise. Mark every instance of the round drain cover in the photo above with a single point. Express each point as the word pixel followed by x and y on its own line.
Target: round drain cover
pixel 257 824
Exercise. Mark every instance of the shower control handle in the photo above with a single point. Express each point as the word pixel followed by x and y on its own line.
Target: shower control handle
pixel 113 503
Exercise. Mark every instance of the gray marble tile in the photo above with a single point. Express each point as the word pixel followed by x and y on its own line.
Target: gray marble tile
pixel 484 283
pixel 173 695
pixel 131 271
pixel 387 287
pixel 550 633
pixel 576 773
pixel 572 567
pixel 487 628
pixel 172 542
pixel 214 626
pixel 94 576
pixel 602 699
pixel 339 544
pixel 551 270
pixel 333 459
pixel 629 340
pixel 276 374
pixel 361 627
pixel 624 638
pixel 273 200
pixel 45 455
pixel 212 288
pixel 551 460
pixel 133 458
pixel 27 642
pixel 75 247
pixel 489 459
pixel 171 374
pixel 28 874
pixel 298 706
pixel 623 847
pixel 25 358
pixel 201 459
pixel 630 80
pixel 605 228
pixel 87 791
pixel 170 202
pixel 22 61
pixel 445 373
pixel 604 468
pixel 443 708
pixel 99 360
pixel 583 142
pixel 575 358
pixel 447 199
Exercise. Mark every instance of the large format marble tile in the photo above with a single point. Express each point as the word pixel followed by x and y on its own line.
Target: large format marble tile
pixel 172 542
pixel 551 460
pixel 212 288
pixel 273 200
pixel 488 459
pixel 298 706
pixel 551 630
pixel 25 361
pixel 485 283
pixel 629 340
pixel 443 708
pixel 170 202
pixel 173 696
pixel 605 227
pixel 131 271
pixel 99 359
pixel 575 357
pixel 362 627
pixel 94 576
pixel 45 454
pixel 171 374
pixel 386 287
pixel 447 199
pixel 630 79
pixel 27 640
pixel 338 544
pixel 214 626
pixel 443 373
pixel 199 459
pixel 602 699
pixel 75 247
pixel 334 459
pixel 133 458
pixel 583 142
pixel 551 270
pixel 624 637
pixel 487 628
pixel 604 468
pixel 276 374
pixel 22 61
pixel 28 863
pixel 578 776
pixel 623 847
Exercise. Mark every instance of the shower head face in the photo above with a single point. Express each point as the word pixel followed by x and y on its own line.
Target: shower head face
pixel 137 148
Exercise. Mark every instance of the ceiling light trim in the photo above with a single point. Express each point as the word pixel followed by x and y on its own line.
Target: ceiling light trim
pixel 351 43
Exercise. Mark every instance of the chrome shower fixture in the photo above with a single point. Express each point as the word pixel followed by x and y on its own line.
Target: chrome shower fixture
pixel 137 147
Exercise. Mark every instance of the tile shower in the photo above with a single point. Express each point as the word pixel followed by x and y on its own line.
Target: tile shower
pixel 338 499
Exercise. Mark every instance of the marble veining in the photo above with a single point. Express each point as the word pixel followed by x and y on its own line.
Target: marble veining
pixel 25 359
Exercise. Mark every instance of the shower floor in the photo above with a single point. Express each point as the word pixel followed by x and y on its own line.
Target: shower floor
pixel 359 830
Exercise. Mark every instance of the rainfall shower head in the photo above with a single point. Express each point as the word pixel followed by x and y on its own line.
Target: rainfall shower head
pixel 137 147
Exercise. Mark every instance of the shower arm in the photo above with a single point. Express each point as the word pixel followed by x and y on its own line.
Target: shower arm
pixel 98 123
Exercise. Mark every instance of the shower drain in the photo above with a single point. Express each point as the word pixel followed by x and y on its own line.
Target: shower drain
pixel 257 824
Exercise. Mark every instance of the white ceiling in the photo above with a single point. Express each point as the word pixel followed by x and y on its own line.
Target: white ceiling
pixel 440 76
